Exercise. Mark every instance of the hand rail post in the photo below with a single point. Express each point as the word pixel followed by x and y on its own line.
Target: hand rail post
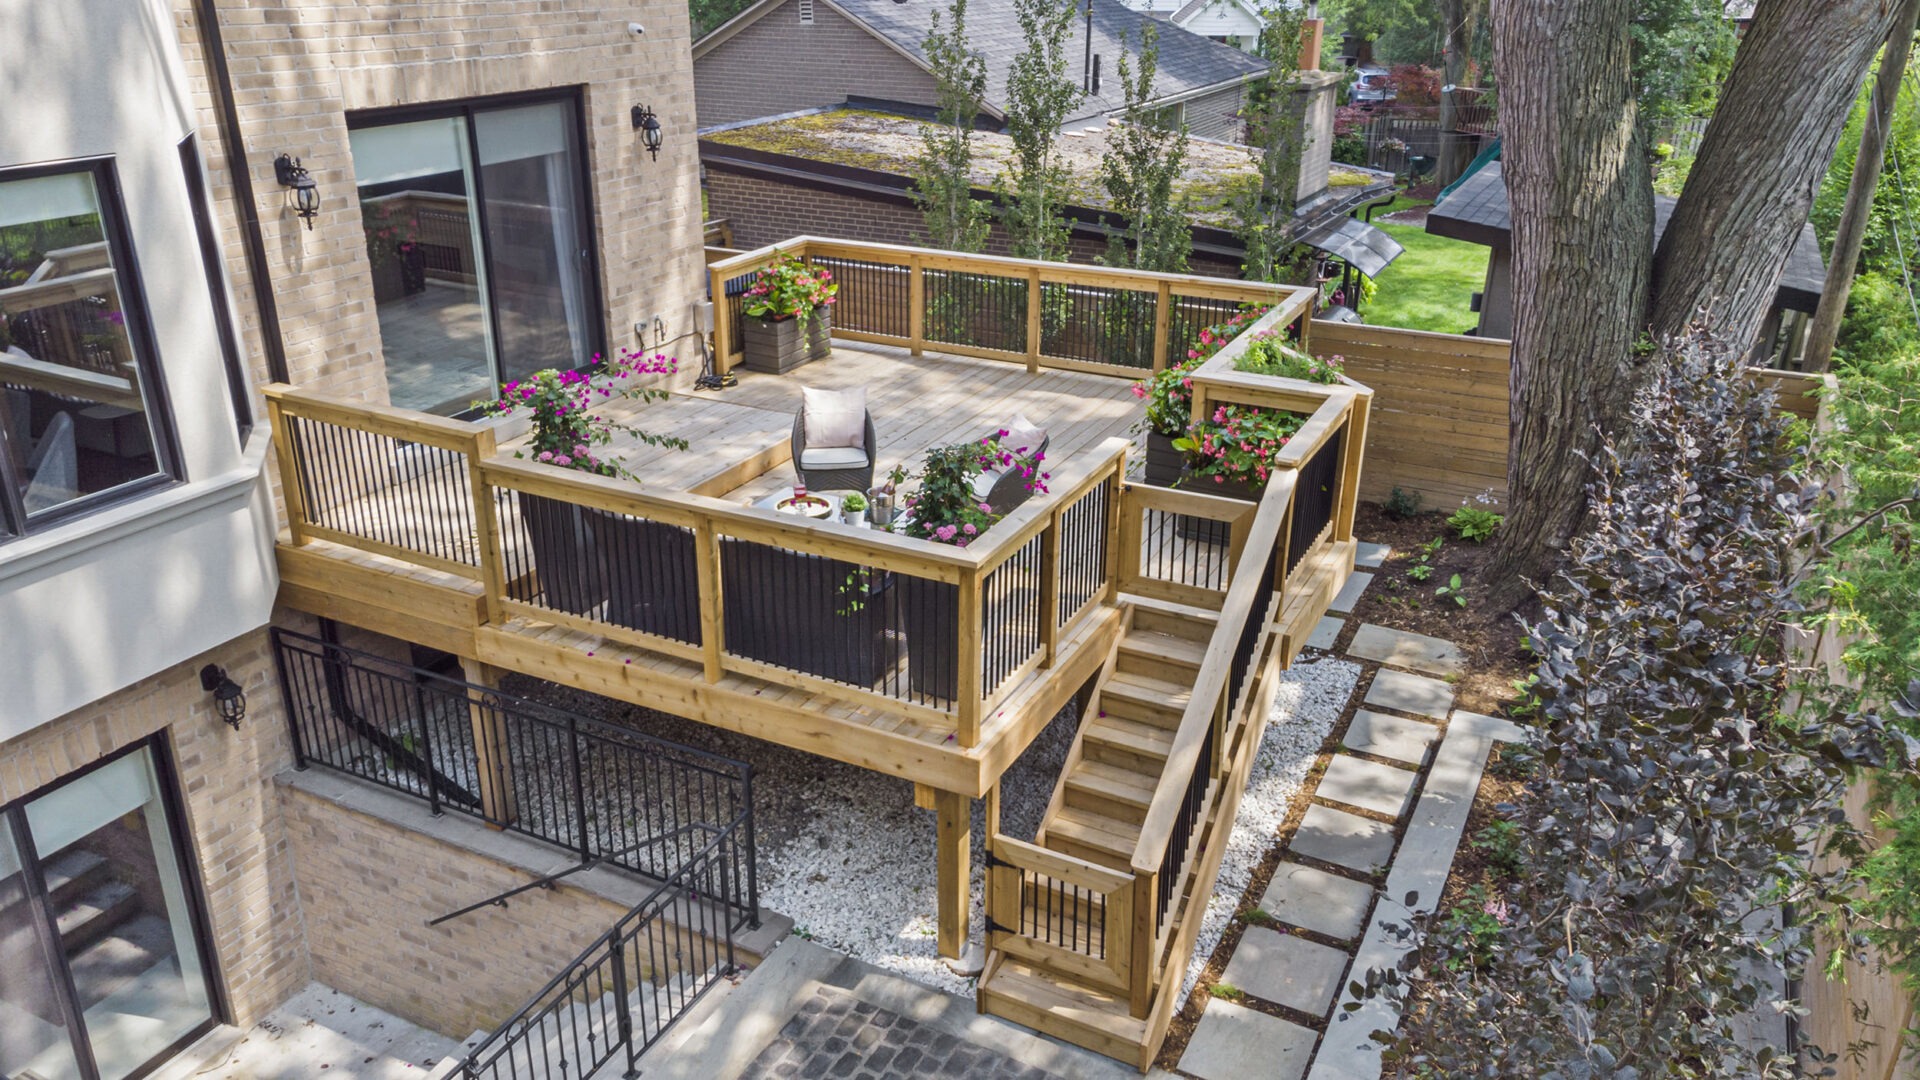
pixel 706 561
pixel 622 1012
pixel 286 456
pixel 968 691
pixel 722 327
pixel 486 527
pixel 1120 526
pixel 1050 588
pixel 1145 931
pixel 1033 320
pixel 1162 325
pixel 753 866
pixel 1353 452
pixel 916 306
pixel 579 787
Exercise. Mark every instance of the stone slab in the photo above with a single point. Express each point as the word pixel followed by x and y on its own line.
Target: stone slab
pixel 1426 856
pixel 834 1033
pixel 1384 735
pixel 1233 1042
pixel 1343 839
pixel 1349 594
pixel 1286 970
pixel 1370 554
pixel 1404 648
pixel 1318 901
pixel 1369 785
pixel 1325 632
pixel 1409 693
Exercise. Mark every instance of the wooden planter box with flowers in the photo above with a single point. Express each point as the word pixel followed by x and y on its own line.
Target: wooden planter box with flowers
pixel 1245 404
pixel 789 310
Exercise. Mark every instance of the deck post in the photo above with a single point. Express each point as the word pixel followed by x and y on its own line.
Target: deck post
pixel 916 306
pixel 486 526
pixel 1162 326
pixel 1033 321
pixel 953 840
pixel 1353 451
pixel 969 692
pixel 489 746
pixel 722 330
pixel 706 561
pixel 290 494
pixel 1050 590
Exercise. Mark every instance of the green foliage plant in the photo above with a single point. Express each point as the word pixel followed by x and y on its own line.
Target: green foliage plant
pixel 1271 354
pixel 945 509
pixel 1263 210
pixel 1145 156
pixel 1473 524
pixel 1237 444
pixel 1168 394
pixel 1402 503
pixel 1039 98
pixel 943 169
pixel 789 288
pixel 567 433
pixel 1454 590
pixel 1673 799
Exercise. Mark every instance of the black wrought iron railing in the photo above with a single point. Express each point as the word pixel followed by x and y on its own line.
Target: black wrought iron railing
pixel 1315 496
pixel 1010 600
pixel 1084 564
pixel 608 793
pixel 407 497
pixel 627 989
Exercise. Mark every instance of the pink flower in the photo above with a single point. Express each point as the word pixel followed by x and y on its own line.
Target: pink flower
pixel 969 529
pixel 945 532
pixel 562 459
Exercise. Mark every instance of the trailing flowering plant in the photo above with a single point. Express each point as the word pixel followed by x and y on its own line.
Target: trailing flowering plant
pixel 790 289
pixel 1270 354
pixel 1238 444
pixel 566 431
pixel 1169 393
pixel 945 509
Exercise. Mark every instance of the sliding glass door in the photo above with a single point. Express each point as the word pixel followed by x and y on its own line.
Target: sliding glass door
pixel 101 966
pixel 480 242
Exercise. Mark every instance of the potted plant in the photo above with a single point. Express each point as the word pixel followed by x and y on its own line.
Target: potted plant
pixel 853 509
pixel 882 497
pixel 788 321
pixel 946 511
pixel 1231 455
pixel 393 249
pixel 568 434
pixel 1168 396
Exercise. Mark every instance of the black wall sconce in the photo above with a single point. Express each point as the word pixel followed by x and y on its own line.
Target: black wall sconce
pixel 228 698
pixel 305 193
pixel 648 125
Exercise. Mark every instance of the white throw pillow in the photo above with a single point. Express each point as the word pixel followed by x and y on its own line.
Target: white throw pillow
pixel 1022 439
pixel 835 417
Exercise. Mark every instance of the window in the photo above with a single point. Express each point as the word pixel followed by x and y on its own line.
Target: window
pixel 479 233
pixel 216 284
pixel 82 408
pixel 104 972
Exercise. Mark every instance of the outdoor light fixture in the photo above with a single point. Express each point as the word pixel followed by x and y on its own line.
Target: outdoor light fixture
pixel 228 698
pixel 306 193
pixel 648 125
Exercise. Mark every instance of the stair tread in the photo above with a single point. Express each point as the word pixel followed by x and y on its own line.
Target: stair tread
pixel 70 866
pixel 1114 782
pixel 1071 1000
pixel 1164 647
pixel 93 905
pixel 1145 739
pixel 1147 690
pixel 1094 829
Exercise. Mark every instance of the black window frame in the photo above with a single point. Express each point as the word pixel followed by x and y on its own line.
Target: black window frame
pixel 193 888
pixel 210 261
pixel 589 239
pixel 158 404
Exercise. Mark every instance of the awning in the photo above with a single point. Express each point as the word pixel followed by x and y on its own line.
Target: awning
pixel 1365 248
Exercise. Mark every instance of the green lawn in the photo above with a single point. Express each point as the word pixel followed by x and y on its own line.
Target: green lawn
pixel 1430 286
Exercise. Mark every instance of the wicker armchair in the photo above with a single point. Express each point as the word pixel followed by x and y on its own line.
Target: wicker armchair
pixel 837 468
pixel 1003 492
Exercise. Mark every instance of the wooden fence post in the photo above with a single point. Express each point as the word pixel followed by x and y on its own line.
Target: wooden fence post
pixel 491 756
pixel 722 327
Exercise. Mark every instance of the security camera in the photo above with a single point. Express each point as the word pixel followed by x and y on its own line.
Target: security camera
pixel 636 29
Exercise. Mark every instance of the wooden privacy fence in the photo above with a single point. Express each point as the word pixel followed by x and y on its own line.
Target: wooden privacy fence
pixel 1439 424
pixel 1042 314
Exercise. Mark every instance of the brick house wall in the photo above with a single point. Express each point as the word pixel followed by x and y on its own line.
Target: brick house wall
pixel 1216 115
pixel 299 66
pixel 239 840
pixel 778 64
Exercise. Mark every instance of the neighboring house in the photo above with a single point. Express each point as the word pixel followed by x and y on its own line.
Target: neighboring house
pixel 830 52
pixel 1476 211
pixel 1230 22
pixel 483 206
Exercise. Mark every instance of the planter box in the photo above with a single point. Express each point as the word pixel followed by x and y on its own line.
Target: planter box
pixel 1164 463
pixel 777 347
pixel 1206 530
pixel 565 558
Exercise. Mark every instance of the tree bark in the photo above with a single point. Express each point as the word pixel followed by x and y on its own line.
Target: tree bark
pixel 1457 21
pixel 1772 136
pixel 1866 177
pixel 1581 196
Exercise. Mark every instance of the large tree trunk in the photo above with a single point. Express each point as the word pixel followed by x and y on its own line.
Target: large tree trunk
pixel 1780 114
pixel 1458 19
pixel 1867 163
pixel 1582 204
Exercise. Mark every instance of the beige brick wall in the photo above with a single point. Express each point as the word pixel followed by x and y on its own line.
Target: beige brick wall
pixel 779 64
pixel 367 888
pixel 232 812
pixel 299 65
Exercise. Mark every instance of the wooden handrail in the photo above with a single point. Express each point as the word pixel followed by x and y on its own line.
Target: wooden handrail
pixel 405 424
pixel 1250 585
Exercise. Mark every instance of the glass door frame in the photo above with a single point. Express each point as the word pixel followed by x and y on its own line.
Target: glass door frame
pixel 464 109
pixel 13 816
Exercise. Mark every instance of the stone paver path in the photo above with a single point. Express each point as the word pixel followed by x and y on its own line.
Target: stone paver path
pixel 1349 594
pixel 1386 820
pixel 836 1034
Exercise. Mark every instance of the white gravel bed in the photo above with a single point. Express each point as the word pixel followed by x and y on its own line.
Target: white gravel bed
pixel 1310 699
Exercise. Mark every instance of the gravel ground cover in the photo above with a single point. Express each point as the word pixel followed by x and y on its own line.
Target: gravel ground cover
pixel 1311 698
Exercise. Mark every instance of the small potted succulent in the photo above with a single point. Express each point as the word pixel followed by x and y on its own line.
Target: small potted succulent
pixel 788 316
pixel 569 435
pixel 853 509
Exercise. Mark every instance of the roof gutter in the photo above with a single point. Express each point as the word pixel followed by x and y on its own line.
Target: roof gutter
pixel 252 244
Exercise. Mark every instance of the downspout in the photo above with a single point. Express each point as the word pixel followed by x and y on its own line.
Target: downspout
pixel 252 244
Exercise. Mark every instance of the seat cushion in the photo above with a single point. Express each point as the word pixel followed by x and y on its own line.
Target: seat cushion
pixel 832 457
pixel 835 418
pixel 1023 437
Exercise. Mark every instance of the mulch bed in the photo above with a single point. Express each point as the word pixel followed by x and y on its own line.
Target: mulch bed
pixel 1490 641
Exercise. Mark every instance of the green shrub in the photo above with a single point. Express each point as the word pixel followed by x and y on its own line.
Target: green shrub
pixel 1501 842
pixel 1473 524
pixel 1401 504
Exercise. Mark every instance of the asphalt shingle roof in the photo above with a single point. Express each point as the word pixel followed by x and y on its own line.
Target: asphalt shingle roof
pixel 1188 62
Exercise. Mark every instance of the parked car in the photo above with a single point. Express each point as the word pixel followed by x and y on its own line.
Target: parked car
pixel 1372 86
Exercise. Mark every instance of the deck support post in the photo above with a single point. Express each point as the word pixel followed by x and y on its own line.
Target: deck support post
pixel 489 747
pixel 953 825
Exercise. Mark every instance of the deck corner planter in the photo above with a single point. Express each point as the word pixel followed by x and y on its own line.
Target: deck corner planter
pixel 565 558
pixel 775 347
pixel 1164 463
